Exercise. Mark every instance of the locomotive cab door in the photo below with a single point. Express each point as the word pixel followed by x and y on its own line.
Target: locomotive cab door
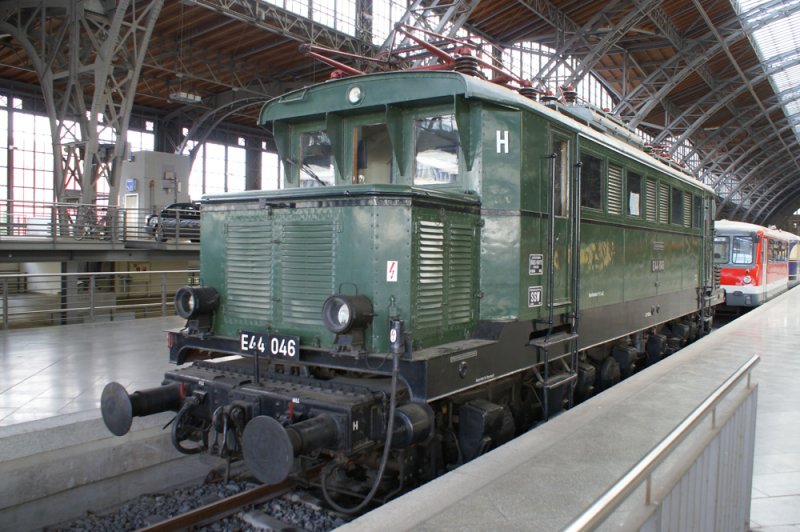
pixel 561 223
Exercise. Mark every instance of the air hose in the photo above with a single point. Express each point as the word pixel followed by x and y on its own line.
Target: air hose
pixel 384 459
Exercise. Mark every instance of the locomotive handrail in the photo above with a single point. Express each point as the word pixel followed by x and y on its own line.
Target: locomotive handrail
pixel 642 471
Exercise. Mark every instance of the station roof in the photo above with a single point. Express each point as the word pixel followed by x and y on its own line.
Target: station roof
pixel 715 82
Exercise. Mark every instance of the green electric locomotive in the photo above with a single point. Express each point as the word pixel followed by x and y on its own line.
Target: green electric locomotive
pixel 450 263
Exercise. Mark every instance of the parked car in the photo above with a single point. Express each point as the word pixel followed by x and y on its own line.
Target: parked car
pixel 179 220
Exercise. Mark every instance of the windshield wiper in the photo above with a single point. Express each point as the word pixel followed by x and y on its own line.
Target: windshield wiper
pixel 305 167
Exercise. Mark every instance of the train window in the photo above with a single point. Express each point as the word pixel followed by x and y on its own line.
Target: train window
pixel 722 249
pixel 437 147
pixel 372 156
pixel 591 181
pixel 634 205
pixel 697 211
pixel 677 207
pixel 561 185
pixel 777 251
pixel 316 159
pixel 743 249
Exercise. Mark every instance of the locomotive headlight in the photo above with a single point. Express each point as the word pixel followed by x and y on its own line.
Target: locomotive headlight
pixel 747 279
pixel 342 313
pixel 191 301
pixel 355 95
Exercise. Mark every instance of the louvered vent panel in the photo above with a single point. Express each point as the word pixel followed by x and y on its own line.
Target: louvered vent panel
pixel 614 189
pixel 459 274
pixel 306 275
pixel 652 201
pixel 687 209
pixel 248 248
pixel 663 204
pixel 430 282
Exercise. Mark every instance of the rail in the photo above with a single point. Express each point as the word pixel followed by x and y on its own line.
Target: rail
pixel 42 299
pixel 605 505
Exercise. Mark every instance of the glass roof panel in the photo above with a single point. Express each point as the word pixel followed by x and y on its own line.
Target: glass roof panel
pixel 778 47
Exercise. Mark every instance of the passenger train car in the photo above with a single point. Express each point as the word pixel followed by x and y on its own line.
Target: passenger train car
pixel 794 258
pixel 754 262
pixel 449 264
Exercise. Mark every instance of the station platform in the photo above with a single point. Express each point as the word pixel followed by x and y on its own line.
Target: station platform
pixel 59 372
pixel 53 371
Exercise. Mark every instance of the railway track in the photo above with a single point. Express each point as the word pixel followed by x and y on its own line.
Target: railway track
pixel 238 505
pixel 219 510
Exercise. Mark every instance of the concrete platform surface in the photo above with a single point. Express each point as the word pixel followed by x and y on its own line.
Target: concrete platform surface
pixel 52 371
pixel 546 478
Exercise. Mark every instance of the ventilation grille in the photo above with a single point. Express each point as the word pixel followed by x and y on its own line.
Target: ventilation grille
pixel 614 189
pixel 430 288
pixel 306 274
pixel 445 283
pixel 652 201
pixel 663 204
pixel 248 248
pixel 687 210
pixel 459 274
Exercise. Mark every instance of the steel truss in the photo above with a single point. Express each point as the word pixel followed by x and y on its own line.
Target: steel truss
pixel 75 46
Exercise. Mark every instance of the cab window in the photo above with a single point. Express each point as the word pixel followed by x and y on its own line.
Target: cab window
pixel 372 155
pixel 742 250
pixel 722 249
pixel 436 150
pixel 316 159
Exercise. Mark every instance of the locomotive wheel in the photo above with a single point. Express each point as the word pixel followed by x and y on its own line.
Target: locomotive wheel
pixel 609 374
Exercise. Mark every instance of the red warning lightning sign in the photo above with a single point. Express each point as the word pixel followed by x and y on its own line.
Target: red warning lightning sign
pixel 391 271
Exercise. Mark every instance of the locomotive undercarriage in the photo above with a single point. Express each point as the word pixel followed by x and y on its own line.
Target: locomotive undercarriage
pixel 452 403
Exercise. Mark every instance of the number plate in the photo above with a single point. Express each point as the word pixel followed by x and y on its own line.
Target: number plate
pixel 270 345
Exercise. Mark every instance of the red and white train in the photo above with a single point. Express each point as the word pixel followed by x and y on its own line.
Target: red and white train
pixel 754 261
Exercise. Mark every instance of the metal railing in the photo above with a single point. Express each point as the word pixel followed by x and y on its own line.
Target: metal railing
pixel 36 300
pixel 643 471
pixel 24 220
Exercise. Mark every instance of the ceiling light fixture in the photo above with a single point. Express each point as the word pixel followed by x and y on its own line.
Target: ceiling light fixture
pixel 185 97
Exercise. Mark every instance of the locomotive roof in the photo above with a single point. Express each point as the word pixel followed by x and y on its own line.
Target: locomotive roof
pixel 411 86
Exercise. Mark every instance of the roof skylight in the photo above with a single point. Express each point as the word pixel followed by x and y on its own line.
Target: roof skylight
pixel 778 47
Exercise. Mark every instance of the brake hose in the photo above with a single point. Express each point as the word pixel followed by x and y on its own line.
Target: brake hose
pixel 386 450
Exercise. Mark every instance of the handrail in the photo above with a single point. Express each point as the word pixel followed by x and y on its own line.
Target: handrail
pixel 71 297
pixel 95 274
pixel 611 499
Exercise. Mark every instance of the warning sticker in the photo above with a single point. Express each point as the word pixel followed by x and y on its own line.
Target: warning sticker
pixel 391 271
pixel 535 263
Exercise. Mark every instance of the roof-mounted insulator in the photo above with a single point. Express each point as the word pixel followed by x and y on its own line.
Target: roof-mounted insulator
pixel 467 64
pixel 549 97
pixel 338 74
pixel 529 92
pixel 570 94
